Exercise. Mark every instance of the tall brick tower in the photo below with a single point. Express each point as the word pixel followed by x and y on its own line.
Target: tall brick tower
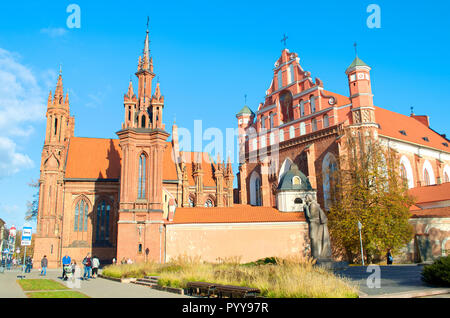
pixel 142 140
pixel 363 111
pixel 60 127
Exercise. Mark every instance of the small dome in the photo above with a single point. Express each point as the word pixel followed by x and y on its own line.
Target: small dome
pixel 294 179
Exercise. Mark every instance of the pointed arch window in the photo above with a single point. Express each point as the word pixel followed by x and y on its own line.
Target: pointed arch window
pixel 302 128
pixel 102 221
pixel 209 203
pixel 326 121
pixel 426 177
pixel 313 104
pixel 280 80
pixel 314 124
pixel 81 216
pixel 142 176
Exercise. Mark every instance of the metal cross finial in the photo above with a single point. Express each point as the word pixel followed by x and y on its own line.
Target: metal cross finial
pixel 148 20
pixel 356 52
pixel 284 39
pixel 60 68
pixel 412 109
pixel 245 97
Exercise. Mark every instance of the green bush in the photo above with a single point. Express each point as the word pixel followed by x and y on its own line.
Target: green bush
pixel 438 273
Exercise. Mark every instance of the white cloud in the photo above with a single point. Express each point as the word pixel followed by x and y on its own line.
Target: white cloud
pixel 22 104
pixel 54 32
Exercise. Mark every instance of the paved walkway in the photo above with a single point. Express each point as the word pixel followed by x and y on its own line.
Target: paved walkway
pixel 95 288
pixel 394 279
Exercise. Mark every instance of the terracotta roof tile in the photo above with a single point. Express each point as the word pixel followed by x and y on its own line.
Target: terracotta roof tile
pixel 432 193
pixel 237 214
pixel 98 158
pixel 432 213
pixel 391 123
pixel 93 158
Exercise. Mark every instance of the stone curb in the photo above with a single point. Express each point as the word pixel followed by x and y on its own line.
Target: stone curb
pixel 157 287
pixel 410 294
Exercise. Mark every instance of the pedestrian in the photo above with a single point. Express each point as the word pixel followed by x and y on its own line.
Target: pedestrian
pixel 389 257
pixel 87 262
pixel 114 261
pixel 44 263
pixel 66 261
pixel 8 264
pixel 123 261
pixel 129 261
pixel 28 263
pixel 95 265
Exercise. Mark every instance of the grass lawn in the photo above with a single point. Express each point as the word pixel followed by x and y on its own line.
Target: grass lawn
pixel 56 294
pixel 276 278
pixel 40 284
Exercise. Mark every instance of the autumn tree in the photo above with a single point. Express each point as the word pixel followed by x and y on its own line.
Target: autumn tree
pixel 367 187
pixel 32 206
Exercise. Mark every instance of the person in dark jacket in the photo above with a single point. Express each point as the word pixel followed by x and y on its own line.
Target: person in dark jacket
pixel 389 258
pixel 44 264
pixel 87 262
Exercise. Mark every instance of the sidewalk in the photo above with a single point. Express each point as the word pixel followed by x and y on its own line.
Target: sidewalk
pixel 95 288
pixel 399 281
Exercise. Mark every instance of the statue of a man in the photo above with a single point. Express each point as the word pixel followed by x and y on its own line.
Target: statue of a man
pixel 318 229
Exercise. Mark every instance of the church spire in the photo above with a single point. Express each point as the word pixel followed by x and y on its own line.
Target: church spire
pixel 59 94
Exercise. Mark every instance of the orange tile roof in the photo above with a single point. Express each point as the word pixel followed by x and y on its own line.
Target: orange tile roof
pixel 431 213
pixel 391 123
pixel 340 99
pixel 237 214
pixel 99 158
pixel 432 193
pixel 93 158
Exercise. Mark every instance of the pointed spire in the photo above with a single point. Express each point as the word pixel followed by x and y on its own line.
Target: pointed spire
pixel 49 101
pixel 146 57
pixel 59 87
pixel 130 92
pixel 157 94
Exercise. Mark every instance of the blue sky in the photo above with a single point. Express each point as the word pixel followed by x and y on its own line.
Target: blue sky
pixel 208 55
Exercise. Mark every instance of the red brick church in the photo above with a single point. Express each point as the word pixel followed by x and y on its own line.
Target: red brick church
pixel 139 197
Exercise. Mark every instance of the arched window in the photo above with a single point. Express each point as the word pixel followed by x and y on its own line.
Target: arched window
pixel 287 113
pixel 263 123
pixel 302 108
pixel 191 202
pixel 271 118
pixel 255 144
pixel 329 168
pixel 302 128
pixel 406 172
pixel 209 203
pixel 281 133
pixel 291 73
pixel 291 132
pixel 143 121
pixel 428 175
pixel 313 103
pixel 81 216
pixel 102 222
pixel 255 189
pixel 142 176
pixel 280 80
pixel 272 138
pixel 326 121
pixel 263 141
pixel 56 125
pixel 314 124
pixel 446 173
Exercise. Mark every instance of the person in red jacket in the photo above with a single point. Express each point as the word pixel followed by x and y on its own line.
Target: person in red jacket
pixel 87 262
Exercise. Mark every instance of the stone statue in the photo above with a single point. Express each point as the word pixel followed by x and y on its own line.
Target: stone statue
pixel 318 229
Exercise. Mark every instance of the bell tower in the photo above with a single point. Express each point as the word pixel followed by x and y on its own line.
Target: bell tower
pixel 142 140
pixel 60 127
pixel 363 111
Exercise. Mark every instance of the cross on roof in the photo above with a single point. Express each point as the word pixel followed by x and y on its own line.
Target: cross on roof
pixel 245 97
pixel 148 20
pixel 356 52
pixel 284 39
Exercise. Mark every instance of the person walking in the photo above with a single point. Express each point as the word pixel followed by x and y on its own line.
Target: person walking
pixel 95 265
pixel 87 262
pixel 44 264
pixel 28 263
pixel 66 261
pixel 389 258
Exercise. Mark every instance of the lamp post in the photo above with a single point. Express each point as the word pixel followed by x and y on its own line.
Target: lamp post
pixel 360 241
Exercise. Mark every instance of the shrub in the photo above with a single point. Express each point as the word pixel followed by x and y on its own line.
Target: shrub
pixel 437 273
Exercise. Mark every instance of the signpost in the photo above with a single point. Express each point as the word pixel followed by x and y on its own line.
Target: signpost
pixel 360 241
pixel 26 241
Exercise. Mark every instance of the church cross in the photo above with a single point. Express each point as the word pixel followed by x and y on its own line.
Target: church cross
pixel 245 97
pixel 284 40
pixel 356 52
pixel 148 20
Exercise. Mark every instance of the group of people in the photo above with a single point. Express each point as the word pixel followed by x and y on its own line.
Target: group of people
pixel 126 261
pixel 90 264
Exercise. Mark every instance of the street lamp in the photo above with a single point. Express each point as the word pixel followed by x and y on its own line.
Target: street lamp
pixel 360 241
